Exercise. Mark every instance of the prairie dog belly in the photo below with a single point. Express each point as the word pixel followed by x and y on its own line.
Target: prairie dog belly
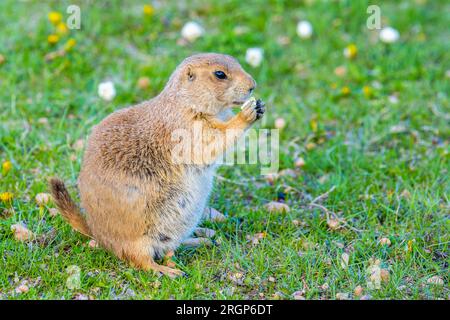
pixel 185 211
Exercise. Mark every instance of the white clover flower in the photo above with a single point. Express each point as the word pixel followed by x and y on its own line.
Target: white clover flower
pixel 254 56
pixel 389 35
pixel 304 29
pixel 191 31
pixel 106 90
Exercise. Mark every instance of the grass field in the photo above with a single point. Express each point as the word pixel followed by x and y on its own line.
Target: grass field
pixel 375 133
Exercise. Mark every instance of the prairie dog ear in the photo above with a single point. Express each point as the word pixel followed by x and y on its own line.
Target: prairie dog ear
pixel 189 72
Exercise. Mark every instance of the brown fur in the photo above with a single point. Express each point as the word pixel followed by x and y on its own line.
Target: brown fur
pixel 140 204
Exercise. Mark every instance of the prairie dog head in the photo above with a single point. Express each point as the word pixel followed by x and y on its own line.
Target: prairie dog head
pixel 210 82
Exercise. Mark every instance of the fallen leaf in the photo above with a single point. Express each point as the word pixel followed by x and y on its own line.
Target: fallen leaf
pixel 358 291
pixel 93 244
pixel 277 295
pixel 256 237
pixel 405 194
pixel 300 162
pixel 288 173
pixel 73 281
pixel 374 277
pixel 298 295
pixel 325 286
pixel 204 232
pixel 21 232
pixel 385 242
pixel 344 260
pixel 333 223
pixel 23 288
pixel 80 296
pixel 384 274
pixel 197 242
pixel 214 215
pixel 435 280
pixel 342 296
pixel 274 207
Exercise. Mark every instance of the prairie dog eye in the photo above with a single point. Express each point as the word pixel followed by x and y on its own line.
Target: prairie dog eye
pixel 220 75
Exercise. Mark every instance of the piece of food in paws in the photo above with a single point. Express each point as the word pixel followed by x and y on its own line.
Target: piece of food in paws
pixel 250 101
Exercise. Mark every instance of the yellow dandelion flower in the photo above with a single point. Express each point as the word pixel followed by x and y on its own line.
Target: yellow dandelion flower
pixel 345 91
pixel 7 165
pixel 351 51
pixel 70 44
pixel 55 17
pixel 53 38
pixel 61 28
pixel 149 10
pixel 314 124
pixel 6 196
pixel 367 91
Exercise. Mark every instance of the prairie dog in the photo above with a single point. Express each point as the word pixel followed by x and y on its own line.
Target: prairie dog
pixel 139 204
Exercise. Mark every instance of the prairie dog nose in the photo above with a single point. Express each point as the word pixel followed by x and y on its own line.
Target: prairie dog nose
pixel 252 86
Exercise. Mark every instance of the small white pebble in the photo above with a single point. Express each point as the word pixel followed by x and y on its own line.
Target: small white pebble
pixel 254 56
pixel 106 90
pixel 191 31
pixel 304 29
pixel 389 35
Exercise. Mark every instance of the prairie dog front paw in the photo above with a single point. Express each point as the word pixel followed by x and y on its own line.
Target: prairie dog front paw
pixel 252 110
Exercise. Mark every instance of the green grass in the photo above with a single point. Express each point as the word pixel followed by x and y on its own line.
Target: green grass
pixel 357 151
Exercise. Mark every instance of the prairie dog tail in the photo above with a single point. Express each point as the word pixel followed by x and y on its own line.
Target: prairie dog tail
pixel 69 210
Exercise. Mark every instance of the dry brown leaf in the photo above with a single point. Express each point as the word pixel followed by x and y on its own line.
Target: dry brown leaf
pixel 384 274
pixel 342 296
pixel 300 162
pixel 298 295
pixel 358 291
pixel 23 288
pixel 21 232
pixel 333 223
pixel 143 83
pixel 214 215
pixel 93 244
pixel 435 280
pixel 204 232
pixel 385 242
pixel 275 207
pixel 344 260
